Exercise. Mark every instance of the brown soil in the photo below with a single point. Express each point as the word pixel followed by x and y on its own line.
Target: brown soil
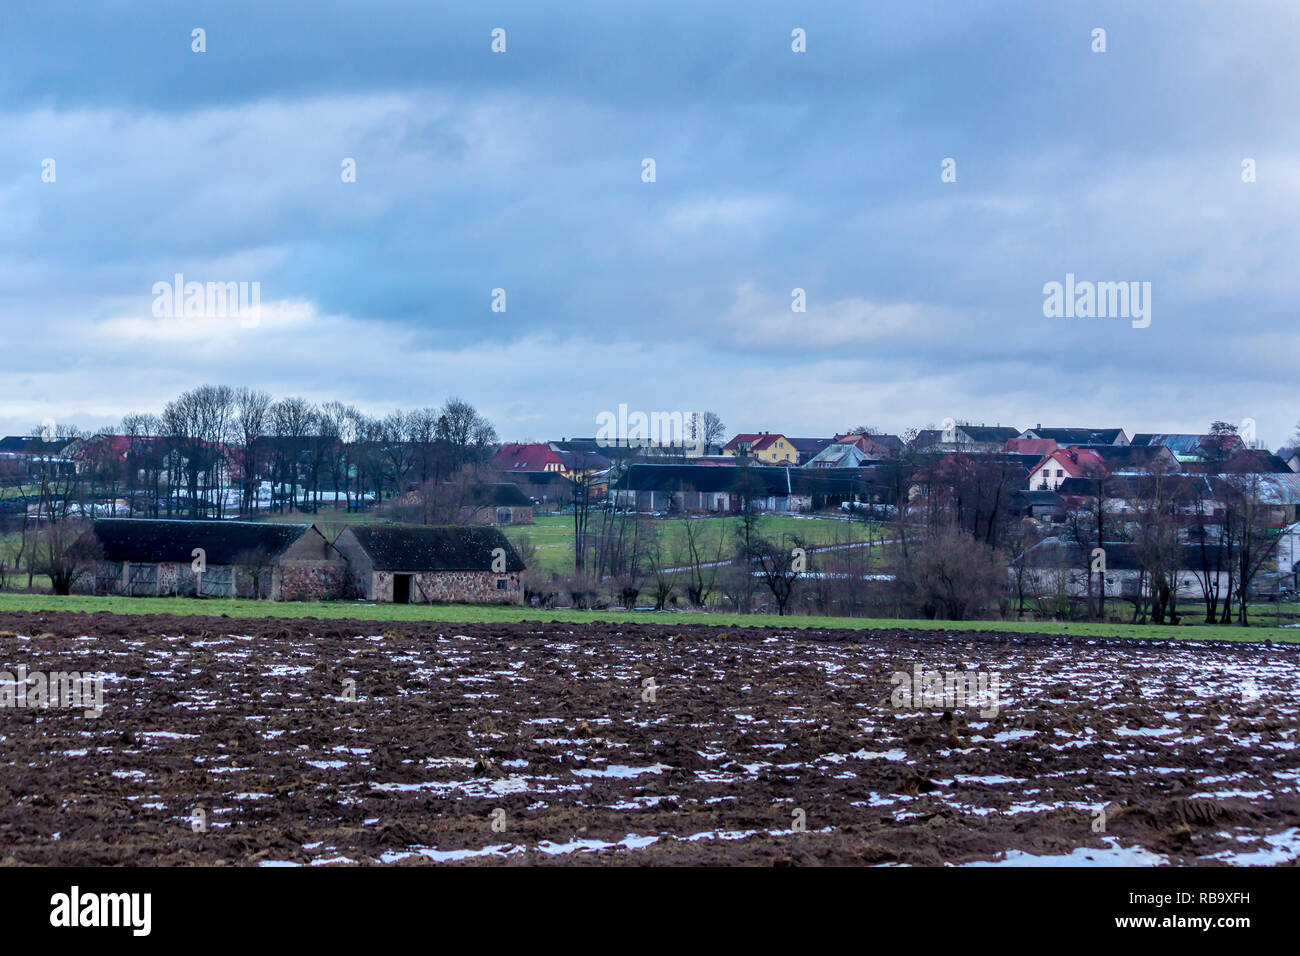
pixel 749 731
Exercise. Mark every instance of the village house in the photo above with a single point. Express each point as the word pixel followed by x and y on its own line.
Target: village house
pixel 1134 459
pixel 547 490
pixel 421 564
pixel 1040 505
pixel 524 457
pixel 1064 463
pixel 161 558
pixel 24 456
pixel 768 447
pixel 499 503
pixel 809 448
pixel 708 488
pixel 840 455
pixel 852 451
pixel 1290 455
pixel 1078 436
pixel 1030 446
pixel 1058 566
pixel 965 438
pixel 1192 448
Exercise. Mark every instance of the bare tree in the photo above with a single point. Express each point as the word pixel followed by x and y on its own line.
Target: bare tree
pixel 704 559
pixel 1254 533
pixel 293 420
pixel 251 421
pixel 66 549
pixel 780 563
pixel 952 576
pixel 469 436
pixel 712 430
pixel 661 560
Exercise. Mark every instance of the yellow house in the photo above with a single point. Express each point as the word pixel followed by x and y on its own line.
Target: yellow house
pixel 768 447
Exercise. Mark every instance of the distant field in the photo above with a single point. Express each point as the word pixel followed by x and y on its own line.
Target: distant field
pixel 552 535
pixel 360 610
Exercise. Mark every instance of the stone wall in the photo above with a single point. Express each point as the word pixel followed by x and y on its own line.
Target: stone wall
pixel 458 587
pixel 311 581
pixel 498 515
pixel 296 581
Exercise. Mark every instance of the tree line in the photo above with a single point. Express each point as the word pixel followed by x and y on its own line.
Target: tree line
pixel 214 448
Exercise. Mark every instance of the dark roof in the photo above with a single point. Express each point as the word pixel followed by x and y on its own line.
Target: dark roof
pixel 809 447
pixel 1079 436
pixel 534 477
pixel 591 449
pixel 763 480
pixel 1192 446
pixel 1128 486
pixel 1120 555
pixel 893 442
pixel 27 445
pixel 984 434
pixel 1011 460
pixel 1254 461
pixel 149 540
pixel 502 494
pixel 1247 461
pixel 1039 497
pixel 583 459
pixel 434 548
pixel 1128 457
pixel 988 433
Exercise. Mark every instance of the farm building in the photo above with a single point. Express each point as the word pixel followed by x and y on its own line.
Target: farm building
pixel 499 502
pixel 712 488
pixel 1059 565
pixel 147 557
pixel 422 564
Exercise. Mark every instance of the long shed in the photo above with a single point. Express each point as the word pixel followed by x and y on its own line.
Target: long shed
pixel 420 564
pixel 153 557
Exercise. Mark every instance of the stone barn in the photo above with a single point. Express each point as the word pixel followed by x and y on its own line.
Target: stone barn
pixel 499 502
pixel 424 564
pixel 247 559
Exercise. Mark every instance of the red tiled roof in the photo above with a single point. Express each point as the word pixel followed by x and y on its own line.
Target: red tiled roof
pixel 757 441
pixel 1031 446
pixel 1077 462
pixel 519 457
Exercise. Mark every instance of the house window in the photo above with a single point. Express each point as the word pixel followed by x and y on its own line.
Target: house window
pixel 501 584
pixel 1060 473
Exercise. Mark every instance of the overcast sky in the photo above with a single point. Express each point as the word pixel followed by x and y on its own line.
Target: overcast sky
pixel 775 170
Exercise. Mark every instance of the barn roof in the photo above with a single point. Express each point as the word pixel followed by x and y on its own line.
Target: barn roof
pixel 504 493
pixel 1080 436
pixel 434 548
pixel 759 480
pixel 149 540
